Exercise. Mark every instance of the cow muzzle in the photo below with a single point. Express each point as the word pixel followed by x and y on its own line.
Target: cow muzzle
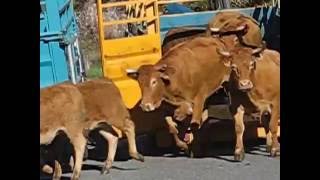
pixel 147 107
pixel 245 85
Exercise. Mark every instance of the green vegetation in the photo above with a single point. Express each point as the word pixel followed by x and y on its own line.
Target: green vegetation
pixel 95 71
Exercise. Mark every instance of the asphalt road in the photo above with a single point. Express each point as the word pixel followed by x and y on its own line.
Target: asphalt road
pixel 159 164
pixel 256 166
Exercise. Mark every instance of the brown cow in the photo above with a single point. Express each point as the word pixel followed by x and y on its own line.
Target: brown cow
pixel 62 109
pixel 96 96
pixel 183 77
pixel 178 35
pixel 232 22
pixel 254 86
pixel 104 105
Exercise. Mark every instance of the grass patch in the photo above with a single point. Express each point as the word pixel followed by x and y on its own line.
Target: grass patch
pixel 95 71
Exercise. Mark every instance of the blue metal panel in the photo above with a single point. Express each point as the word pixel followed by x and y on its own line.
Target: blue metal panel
pixel 175 8
pixel 53 64
pixel 201 19
pixel 58 30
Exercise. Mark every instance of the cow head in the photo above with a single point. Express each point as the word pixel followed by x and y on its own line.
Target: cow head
pixel 235 24
pixel 232 29
pixel 242 61
pixel 152 81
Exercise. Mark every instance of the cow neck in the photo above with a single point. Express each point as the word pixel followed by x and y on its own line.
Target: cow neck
pixel 170 98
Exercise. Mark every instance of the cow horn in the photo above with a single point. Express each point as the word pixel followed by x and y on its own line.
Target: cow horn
pixel 130 71
pixel 223 52
pixel 257 50
pixel 214 29
pixel 241 28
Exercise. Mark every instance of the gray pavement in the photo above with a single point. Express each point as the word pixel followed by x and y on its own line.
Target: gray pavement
pixel 256 166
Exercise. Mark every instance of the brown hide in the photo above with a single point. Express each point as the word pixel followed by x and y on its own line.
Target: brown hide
pixel 263 72
pixel 62 108
pixel 225 22
pixel 178 35
pixel 104 103
pixel 189 72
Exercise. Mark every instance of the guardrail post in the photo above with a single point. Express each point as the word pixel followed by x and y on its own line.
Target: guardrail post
pixel 71 64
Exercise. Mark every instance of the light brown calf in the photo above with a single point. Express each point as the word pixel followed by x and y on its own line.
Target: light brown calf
pixel 104 106
pixel 62 109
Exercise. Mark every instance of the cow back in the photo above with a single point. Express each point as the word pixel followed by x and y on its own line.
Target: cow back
pixel 103 101
pixel 60 105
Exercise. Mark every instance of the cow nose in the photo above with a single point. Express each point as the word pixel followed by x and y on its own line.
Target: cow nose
pixel 245 84
pixel 147 107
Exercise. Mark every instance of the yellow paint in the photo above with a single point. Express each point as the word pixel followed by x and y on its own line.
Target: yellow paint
pixel 130 52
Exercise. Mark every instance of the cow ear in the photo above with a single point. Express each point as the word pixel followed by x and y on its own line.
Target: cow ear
pixel 165 78
pixel 259 50
pixel 165 75
pixel 161 67
pixel 132 73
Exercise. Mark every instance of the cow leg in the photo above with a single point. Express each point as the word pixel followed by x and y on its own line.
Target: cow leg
pixel 275 148
pixel 265 119
pixel 197 111
pixel 71 163
pixel 112 148
pixel 269 141
pixel 183 111
pixel 129 130
pixel 79 144
pixel 239 128
pixel 57 171
pixel 174 131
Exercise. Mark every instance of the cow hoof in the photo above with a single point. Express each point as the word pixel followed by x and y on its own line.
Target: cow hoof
pixel 191 154
pixel 139 157
pixel 274 152
pixel 75 178
pixel 239 156
pixel 105 170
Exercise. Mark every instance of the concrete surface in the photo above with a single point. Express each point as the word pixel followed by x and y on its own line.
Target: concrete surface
pixel 256 166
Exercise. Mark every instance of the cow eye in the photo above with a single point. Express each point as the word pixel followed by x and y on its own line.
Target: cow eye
pixel 153 82
pixel 252 64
